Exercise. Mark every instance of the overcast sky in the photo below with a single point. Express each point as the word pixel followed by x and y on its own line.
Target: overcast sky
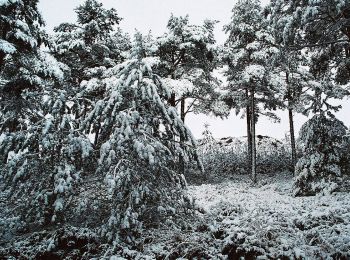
pixel 146 15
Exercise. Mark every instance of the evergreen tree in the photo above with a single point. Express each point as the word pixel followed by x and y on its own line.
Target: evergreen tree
pixel 303 30
pixel 248 50
pixel 323 27
pixel 187 55
pixel 295 81
pixel 319 168
pixel 140 136
pixel 38 145
pixel 91 44
pixel 23 68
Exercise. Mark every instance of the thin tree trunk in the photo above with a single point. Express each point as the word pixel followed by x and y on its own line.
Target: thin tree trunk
pixel 182 109
pixel 172 100
pixel 291 125
pixel 2 58
pixel 249 135
pixel 253 137
pixel 292 138
pixel 182 115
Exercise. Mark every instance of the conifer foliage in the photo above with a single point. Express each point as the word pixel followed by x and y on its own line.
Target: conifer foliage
pixel 140 143
pixel 94 148
pixel 319 170
pixel 247 53
pixel 105 120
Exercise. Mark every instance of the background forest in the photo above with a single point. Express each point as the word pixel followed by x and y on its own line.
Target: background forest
pixel 95 154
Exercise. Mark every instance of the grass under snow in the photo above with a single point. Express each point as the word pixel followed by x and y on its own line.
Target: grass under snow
pixel 236 219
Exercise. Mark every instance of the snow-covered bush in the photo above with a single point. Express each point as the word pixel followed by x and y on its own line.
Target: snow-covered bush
pixel 318 170
pixel 45 163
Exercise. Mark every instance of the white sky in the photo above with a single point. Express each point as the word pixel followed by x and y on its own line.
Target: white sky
pixel 146 15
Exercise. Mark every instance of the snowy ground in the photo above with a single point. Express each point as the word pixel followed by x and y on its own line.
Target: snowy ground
pixel 235 219
pixel 261 222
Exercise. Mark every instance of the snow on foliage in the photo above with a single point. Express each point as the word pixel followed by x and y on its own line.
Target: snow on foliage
pixel 7 47
pixel 319 170
pixel 225 156
pixel 93 150
pixel 139 145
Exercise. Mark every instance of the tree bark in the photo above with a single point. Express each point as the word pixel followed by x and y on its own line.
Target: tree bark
pixel 97 134
pixel 291 125
pixel 253 137
pixel 182 109
pixel 182 115
pixel 249 134
pixel 292 139
pixel 172 100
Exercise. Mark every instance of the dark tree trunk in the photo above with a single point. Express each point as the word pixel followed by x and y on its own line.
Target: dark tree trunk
pixel 249 135
pixel 182 115
pixel 253 137
pixel 182 110
pixel 98 128
pixel 2 57
pixel 291 125
pixel 172 100
pixel 292 138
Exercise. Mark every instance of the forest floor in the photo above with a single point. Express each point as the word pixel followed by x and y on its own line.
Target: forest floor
pixel 264 221
pixel 236 219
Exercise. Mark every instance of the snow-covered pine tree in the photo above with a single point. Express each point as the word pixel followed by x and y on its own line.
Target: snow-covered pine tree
pixel 91 41
pixel 38 145
pixel 319 170
pixel 140 137
pixel 188 57
pixel 321 26
pixel 247 54
pixel 304 30
pixel 90 45
pixel 21 63
pixel 294 79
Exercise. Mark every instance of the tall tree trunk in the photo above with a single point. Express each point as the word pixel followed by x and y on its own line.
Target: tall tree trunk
pixel 291 125
pixel 292 138
pixel 253 136
pixel 182 115
pixel 249 134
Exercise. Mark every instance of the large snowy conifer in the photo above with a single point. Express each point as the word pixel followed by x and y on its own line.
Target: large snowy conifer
pixel 140 136
pixel 188 57
pixel 39 147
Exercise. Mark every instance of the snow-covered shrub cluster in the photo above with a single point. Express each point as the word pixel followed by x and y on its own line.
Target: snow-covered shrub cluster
pixel 227 156
pixel 267 222
pixel 319 169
